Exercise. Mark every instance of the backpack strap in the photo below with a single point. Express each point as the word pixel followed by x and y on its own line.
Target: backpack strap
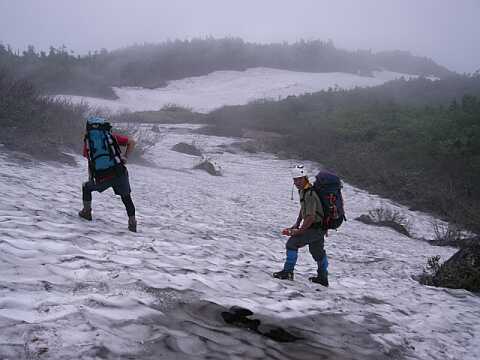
pixel 91 168
pixel 114 148
pixel 312 190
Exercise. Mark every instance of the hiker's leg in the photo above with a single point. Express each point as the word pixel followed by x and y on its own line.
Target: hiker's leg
pixel 121 187
pixel 293 244
pixel 87 189
pixel 129 207
pixel 132 221
pixel 318 253
pixel 90 186
pixel 317 250
pixel 86 212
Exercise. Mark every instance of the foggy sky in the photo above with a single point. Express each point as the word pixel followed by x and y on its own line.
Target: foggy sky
pixel 447 31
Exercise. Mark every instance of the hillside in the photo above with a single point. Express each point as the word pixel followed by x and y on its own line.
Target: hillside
pixel 153 65
pixel 209 92
pixel 415 141
pixel 77 289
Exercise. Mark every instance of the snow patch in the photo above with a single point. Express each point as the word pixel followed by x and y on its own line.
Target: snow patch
pixel 206 93
pixel 72 288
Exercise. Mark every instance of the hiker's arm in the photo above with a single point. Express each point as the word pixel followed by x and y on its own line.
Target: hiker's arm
pixel 298 222
pixel 307 223
pixel 130 146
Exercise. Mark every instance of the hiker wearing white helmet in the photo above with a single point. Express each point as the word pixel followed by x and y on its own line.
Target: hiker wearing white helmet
pixel 307 230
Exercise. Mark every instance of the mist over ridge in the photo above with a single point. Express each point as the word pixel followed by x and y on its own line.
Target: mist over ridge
pixel 152 65
pixel 443 30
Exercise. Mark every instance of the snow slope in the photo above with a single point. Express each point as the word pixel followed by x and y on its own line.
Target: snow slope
pixel 73 289
pixel 205 93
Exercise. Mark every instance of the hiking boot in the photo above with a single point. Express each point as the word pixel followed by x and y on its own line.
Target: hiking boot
pixel 132 224
pixel 321 279
pixel 283 275
pixel 85 214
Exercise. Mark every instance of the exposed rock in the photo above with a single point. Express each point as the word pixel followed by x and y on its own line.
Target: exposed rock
pixel 240 311
pixel 237 316
pixel 365 219
pixel 280 335
pixel 458 243
pixel 461 271
pixel 187 149
pixel 210 166
pixel 251 147
pixel 239 320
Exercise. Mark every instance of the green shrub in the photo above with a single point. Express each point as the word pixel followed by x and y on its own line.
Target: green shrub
pixel 38 125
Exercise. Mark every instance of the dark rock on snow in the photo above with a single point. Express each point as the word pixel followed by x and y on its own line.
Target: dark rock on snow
pixel 237 316
pixel 461 271
pixel 209 166
pixel 187 149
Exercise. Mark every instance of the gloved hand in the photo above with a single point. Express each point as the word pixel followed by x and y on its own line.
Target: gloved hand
pixel 287 232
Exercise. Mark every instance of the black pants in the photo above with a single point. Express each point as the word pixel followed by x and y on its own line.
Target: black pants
pixel 314 238
pixel 120 185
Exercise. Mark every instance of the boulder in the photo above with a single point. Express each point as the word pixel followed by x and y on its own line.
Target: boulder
pixel 210 166
pixel 187 149
pixel 461 271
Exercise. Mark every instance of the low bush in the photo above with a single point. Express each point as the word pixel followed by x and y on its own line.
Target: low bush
pixel 159 117
pixel 176 108
pixel 387 217
pixel 144 139
pixel 41 126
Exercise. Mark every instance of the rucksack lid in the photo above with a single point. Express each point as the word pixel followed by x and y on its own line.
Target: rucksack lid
pixel 95 122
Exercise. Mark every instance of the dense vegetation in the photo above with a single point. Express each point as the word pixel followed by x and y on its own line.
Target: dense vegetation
pixel 169 114
pixel 151 65
pixel 393 139
pixel 45 127
pixel 36 124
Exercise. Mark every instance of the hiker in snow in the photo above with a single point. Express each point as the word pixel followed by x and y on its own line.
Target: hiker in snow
pixel 307 230
pixel 106 167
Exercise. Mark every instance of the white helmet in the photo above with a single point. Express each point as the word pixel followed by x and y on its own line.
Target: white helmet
pixel 299 171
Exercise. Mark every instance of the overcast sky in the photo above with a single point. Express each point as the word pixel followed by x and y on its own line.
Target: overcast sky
pixel 448 31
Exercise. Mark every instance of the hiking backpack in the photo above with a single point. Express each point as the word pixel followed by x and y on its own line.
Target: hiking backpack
pixel 104 154
pixel 329 189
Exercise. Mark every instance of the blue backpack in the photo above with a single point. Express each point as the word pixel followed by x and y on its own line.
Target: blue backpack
pixel 104 154
pixel 329 189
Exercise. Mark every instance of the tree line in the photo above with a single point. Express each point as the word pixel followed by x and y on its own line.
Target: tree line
pixel 152 65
